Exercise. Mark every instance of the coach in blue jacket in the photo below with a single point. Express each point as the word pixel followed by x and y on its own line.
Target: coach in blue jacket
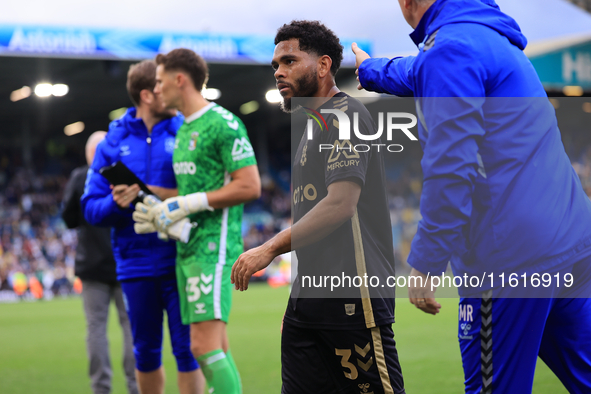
pixel 143 139
pixel 499 195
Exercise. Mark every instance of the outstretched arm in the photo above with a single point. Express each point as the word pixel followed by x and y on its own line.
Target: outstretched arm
pixel 383 75
pixel 329 214
pixel 452 91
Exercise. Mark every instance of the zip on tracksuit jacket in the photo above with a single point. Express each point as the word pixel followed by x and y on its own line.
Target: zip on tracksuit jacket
pixel 149 156
pixel 499 192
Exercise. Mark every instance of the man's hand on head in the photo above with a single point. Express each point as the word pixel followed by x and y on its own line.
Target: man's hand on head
pixel 360 57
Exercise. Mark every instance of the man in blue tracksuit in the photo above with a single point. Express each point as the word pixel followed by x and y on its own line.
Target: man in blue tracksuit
pixel 499 195
pixel 143 139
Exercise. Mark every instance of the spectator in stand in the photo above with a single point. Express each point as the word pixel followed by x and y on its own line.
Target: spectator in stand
pixel 95 266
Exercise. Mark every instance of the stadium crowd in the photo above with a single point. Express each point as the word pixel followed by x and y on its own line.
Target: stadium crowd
pixel 35 242
pixel 33 238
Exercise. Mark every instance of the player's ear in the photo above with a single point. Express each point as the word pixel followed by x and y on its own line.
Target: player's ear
pixel 324 65
pixel 146 96
pixel 180 79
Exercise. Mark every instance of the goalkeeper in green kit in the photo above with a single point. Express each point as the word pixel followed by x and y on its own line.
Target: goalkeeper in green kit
pixel 216 172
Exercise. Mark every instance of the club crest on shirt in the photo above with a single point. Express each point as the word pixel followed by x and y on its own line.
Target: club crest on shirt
pixel 169 145
pixel 350 309
pixel 193 141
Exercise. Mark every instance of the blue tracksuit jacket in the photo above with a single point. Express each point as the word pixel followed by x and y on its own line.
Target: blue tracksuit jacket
pixel 150 158
pixel 499 192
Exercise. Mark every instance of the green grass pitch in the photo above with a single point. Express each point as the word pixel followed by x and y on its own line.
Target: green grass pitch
pixel 42 347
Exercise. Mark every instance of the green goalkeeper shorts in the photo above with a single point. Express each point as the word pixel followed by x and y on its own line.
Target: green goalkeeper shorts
pixel 205 291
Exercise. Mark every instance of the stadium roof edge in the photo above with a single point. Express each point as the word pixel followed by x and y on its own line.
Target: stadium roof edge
pixel 542 47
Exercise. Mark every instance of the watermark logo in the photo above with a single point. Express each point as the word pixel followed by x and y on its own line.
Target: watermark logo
pixel 389 123
pixel 345 124
pixel 317 117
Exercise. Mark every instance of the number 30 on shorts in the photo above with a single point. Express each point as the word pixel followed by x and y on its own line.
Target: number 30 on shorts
pixel 351 371
pixel 194 289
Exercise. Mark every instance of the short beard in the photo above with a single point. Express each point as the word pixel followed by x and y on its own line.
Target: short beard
pixel 307 86
pixel 165 114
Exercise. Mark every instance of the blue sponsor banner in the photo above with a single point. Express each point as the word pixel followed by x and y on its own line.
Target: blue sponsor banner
pixel 127 44
pixel 568 66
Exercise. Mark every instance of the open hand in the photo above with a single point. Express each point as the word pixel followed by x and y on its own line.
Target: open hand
pixel 420 293
pixel 247 264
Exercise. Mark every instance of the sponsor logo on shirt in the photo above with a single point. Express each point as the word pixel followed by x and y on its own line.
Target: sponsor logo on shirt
pixel 125 151
pixel 345 148
pixel 307 192
pixel 184 168
pixel 304 156
pixel 242 149
pixel 346 151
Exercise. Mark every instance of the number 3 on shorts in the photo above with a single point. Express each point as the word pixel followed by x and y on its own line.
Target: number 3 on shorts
pixel 345 355
pixel 193 292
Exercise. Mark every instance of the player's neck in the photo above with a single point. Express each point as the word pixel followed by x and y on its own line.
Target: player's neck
pixel 150 120
pixel 323 94
pixel 192 102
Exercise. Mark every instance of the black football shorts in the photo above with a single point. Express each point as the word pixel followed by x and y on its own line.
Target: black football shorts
pixel 340 361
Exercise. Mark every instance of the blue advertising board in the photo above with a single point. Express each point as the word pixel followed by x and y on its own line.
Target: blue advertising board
pixel 569 66
pixel 127 44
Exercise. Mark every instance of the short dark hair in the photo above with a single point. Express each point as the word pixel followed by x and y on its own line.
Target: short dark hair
pixel 186 60
pixel 313 37
pixel 140 76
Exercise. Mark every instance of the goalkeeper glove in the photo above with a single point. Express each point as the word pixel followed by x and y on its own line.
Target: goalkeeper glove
pixel 178 231
pixel 174 209
pixel 141 217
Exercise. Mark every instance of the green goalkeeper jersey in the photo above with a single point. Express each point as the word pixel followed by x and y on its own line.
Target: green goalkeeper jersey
pixel 209 146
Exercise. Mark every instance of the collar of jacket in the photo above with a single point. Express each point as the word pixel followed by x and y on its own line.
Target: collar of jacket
pixel 421 32
pixel 129 124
